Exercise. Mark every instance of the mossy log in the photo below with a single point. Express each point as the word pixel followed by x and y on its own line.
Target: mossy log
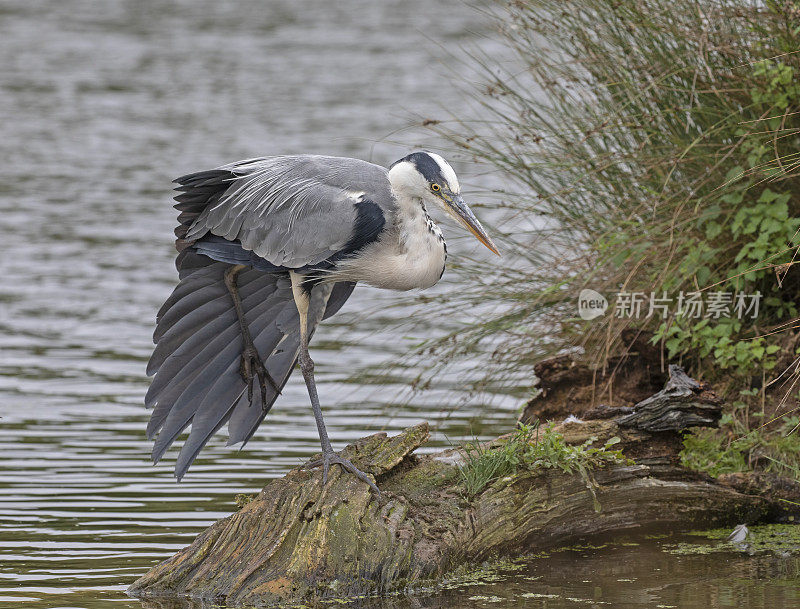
pixel 300 539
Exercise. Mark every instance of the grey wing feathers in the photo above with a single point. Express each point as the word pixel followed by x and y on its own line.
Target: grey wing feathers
pixel 272 214
pixel 292 211
pixel 198 352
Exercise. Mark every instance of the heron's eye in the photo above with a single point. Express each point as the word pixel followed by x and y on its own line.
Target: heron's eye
pixel 435 187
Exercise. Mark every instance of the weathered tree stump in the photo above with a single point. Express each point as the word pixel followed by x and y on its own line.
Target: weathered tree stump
pixel 683 403
pixel 299 540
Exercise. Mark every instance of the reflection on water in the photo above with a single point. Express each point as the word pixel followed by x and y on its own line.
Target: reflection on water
pixel 104 103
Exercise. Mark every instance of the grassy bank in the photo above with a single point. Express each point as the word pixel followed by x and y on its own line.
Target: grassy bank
pixel 654 150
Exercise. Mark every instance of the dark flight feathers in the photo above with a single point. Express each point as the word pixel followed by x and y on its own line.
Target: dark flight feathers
pixel 198 341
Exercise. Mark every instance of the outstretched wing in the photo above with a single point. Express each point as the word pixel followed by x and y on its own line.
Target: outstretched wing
pixel 271 214
pixel 198 352
pixel 292 212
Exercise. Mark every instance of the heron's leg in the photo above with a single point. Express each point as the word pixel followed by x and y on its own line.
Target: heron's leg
pixel 251 366
pixel 301 298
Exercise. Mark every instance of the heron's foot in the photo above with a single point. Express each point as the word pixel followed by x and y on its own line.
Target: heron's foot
pixel 329 458
pixel 252 367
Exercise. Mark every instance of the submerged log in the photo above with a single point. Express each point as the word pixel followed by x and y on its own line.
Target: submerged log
pixel 300 539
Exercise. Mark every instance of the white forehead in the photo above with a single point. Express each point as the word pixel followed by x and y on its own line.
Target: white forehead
pixel 447 172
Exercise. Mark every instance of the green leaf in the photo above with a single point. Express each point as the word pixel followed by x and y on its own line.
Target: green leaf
pixel 768 196
pixel 713 229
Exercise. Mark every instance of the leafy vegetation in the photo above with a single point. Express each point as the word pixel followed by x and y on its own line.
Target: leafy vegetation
pixel 527 449
pixel 655 147
pixel 735 448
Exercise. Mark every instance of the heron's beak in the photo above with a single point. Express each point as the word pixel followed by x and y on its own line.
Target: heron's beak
pixel 461 212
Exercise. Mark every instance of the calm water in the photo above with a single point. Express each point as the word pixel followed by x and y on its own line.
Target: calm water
pixel 103 103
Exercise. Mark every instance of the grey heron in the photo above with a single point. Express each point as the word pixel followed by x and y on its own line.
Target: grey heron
pixel 267 249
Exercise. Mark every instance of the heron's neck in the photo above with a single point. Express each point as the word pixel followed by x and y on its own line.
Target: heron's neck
pixel 417 231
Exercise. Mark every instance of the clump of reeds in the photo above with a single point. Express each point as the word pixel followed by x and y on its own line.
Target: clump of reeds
pixel 653 146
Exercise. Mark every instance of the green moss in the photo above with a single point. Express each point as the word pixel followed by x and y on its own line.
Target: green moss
pixel 243 499
pixel 489 572
pixel 422 479
pixel 781 539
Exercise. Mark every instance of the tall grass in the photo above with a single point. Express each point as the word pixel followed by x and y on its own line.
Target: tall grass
pixel 654 147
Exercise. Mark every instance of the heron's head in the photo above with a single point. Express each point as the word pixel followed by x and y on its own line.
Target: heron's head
pixel 428 177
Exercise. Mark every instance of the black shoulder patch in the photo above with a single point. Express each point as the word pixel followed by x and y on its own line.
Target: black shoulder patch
pixel 369 224
pixel 425 165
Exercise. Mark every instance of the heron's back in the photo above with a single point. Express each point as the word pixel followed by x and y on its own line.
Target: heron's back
pixel 292 212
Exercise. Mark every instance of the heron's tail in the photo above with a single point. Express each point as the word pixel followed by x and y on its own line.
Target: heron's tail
pixel 198 353
pixel 197 191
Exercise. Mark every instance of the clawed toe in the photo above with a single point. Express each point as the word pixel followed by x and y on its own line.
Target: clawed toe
pixel 331 458
pixel 252 367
